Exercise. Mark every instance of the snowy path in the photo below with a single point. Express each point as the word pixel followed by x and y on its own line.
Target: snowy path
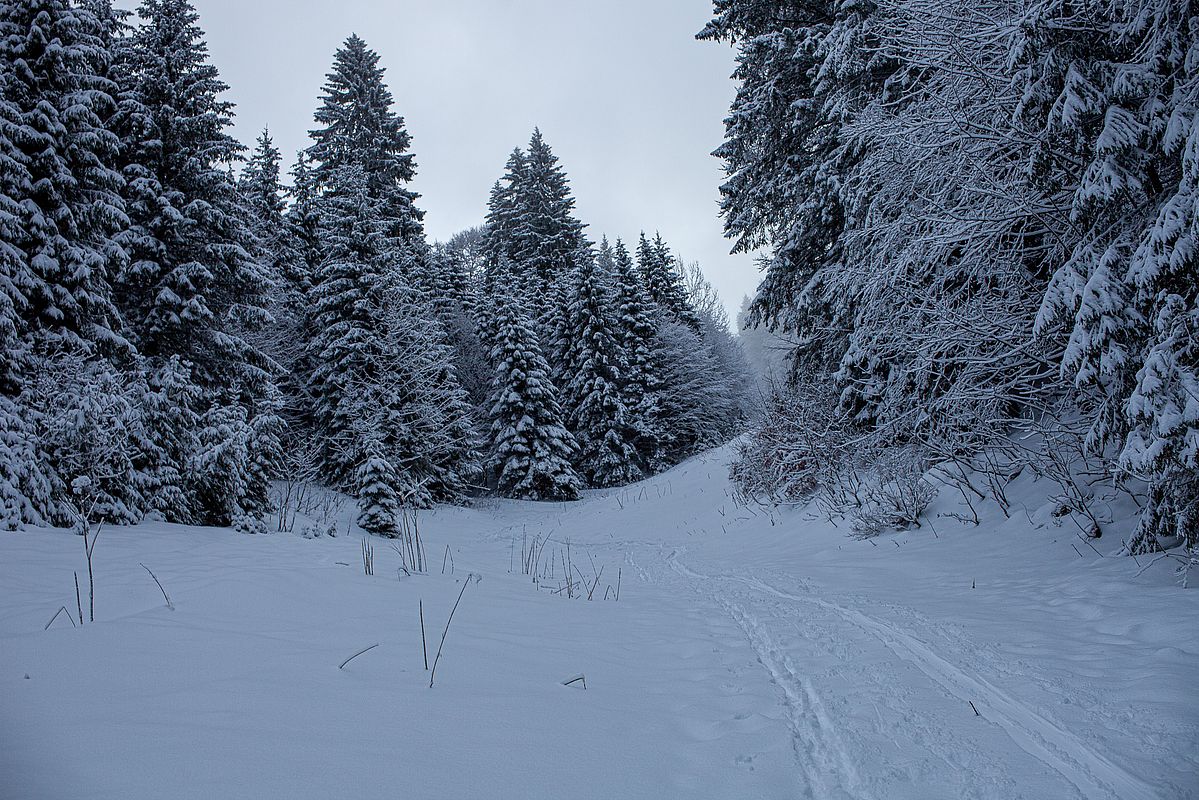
pixel 753 654
pixel 1089 773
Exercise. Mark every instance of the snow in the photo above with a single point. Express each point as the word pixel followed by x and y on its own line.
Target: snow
pixel 753 653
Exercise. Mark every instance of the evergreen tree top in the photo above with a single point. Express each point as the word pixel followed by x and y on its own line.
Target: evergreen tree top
pixel 175 80
pixel 357 123
pixel 260 178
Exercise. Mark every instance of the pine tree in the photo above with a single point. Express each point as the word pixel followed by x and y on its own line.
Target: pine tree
pixel 593 362
pixel 531 450
pixel 60 203
pixel 192 294
pixel 368 325
pixel 663 282
pixel 378 505
pixel 359 129
pixel 637 329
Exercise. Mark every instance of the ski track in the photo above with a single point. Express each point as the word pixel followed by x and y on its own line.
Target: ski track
pixel 828 762
pixel 828 768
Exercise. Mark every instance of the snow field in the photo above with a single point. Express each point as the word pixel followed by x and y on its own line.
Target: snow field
pixel 753 653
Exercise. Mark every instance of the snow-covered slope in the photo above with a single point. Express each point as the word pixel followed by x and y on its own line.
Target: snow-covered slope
pixel 752 653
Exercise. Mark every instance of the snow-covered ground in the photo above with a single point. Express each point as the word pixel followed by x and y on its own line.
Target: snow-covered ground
pixel 752 654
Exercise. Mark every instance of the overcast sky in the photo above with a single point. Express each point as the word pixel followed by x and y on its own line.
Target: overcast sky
pixel 628 100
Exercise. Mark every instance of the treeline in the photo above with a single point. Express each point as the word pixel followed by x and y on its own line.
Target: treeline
pixel 981 224
pixel 177 333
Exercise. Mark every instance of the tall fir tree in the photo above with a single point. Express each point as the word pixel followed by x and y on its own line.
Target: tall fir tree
pixel 593 362
pixel 531 222
pixel 531 451
pixel 374 313
pixel 663 282
pixel 61 214
pixel 638 330
pixel 192 290
pixel 358 128
pixel 548 235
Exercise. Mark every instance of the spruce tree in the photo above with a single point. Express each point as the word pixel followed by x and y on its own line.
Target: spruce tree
pixel 192 285
pixel 61 214
pixel 192 294
pixel 531 221
pixel 531 451
pixel 382 374
pixel 378 505
pixel 663 282
pixel 642 383
pixel 593 361
pixel 357 128
pixel 547 233
pixel 60 203
pixel 504 210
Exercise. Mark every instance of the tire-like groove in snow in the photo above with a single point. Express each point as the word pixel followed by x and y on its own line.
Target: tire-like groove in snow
pixel 827 764
pixel 1091 772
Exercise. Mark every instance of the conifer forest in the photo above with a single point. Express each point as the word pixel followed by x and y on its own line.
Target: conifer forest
pixel 413 444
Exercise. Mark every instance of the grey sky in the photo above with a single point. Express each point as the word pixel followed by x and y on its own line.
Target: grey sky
pixel 629 101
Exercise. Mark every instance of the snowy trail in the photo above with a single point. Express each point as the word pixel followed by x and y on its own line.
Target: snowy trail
pixel 754 653
pixel 1090 772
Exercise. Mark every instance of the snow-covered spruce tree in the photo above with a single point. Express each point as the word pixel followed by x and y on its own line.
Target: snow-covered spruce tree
pixel 531 452
pixel 192 284
pixel 378 504
pixel 192 290
pixel 1114 98
pixel 382 375
pixel 546 231
pixel 379 357
pixel 60 215
pixel 593 388
pixel 358 128
pixel 663 282
pixel 642 382
pixel 503 211
pixel 61 192
pixel 531 220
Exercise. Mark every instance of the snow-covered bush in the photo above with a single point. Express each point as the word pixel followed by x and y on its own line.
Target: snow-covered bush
pixel 246 523
pixel 895 494
pixel 797 449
